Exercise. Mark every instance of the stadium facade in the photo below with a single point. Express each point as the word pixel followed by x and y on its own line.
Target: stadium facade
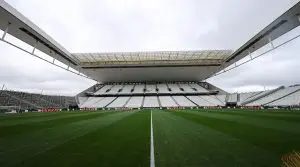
pixel 160 79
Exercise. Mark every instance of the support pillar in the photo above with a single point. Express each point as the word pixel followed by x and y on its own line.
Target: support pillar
pixel 271 42
pixel 34 47
pixel 249 53
pixel 5 32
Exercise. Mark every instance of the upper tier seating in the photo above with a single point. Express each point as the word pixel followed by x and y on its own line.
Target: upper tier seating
pixel 139 88
pixel 126 89
pixel 104 90
pixel 150 88
pixel 197 87
pixel 162 88
pixel 187 88
pixel 174 88
pixel 115 89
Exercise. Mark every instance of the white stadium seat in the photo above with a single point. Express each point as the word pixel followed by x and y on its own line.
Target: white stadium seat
pixel 274 96
pixel 103 102
pixel 135 102
pixel 91 102
pixel 151 101
pixel 167 101
pixel 139 88
pixel 150 88
pixel 119 102
pixel 174 88
pixel 162 88
pixel 104 89
pixel 187 88
pixel 245 96
pixel 126 89
pixel 290 100
pixel 200 101
pixel 115 89
pixel 222 98
pixel 198 87
pixel 183 101
pixel 213 100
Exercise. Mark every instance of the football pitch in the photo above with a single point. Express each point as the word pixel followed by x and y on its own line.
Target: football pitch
pixel 123 138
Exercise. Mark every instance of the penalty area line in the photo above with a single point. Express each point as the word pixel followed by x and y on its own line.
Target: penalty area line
pixel 152 161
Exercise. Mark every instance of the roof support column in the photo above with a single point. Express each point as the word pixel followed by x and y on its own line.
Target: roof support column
pixel 53 61
pixel 5 32
pixel 250 55
pixel 34 47
pixel 271 42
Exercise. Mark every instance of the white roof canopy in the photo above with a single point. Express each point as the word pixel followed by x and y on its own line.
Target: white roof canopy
pixel 203 57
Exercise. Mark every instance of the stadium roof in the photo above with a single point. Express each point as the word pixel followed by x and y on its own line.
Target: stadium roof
pixel 141 66
pixel 203 57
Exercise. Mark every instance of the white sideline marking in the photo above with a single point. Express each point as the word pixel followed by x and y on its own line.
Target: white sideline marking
pixel 152 161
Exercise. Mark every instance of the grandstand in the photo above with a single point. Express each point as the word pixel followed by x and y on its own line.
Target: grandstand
pixel 21 101
pixel 153 79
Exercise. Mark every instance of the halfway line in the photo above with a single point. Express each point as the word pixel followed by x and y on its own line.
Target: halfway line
pixel 152 161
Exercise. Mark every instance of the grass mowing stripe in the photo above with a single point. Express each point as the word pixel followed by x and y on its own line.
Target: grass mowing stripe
pixel 33 119
pixel 276 124
pixel 28 115
pixel 279 142
pixel 48 123
pixel 28 145
pixel 181 142
pixel 152 157
pixel 286 116
pixel 123 143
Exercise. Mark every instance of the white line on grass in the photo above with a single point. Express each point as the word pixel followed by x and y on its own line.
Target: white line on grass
pixel 152 161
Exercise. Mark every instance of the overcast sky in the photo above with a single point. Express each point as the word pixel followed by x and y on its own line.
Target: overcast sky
pixel 151 25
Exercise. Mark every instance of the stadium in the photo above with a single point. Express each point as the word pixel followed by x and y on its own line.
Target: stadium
pixel 150 107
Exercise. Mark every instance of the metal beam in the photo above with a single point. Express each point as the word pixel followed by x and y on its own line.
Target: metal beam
pixel 91 55
pixel 5 32
pixel 34 47
pixel 249 53
pixel 116 57
pixel 271 42
pixel 276 47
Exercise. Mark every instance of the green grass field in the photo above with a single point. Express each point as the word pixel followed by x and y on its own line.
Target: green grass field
pixel 190 138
